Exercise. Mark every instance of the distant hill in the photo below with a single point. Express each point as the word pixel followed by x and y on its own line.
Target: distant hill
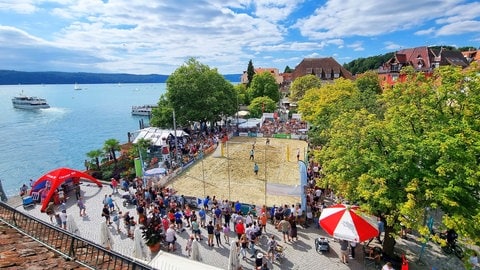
pixel 12 77
pixel 360 65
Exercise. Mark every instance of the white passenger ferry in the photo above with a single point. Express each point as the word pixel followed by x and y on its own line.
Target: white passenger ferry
pixel 29 103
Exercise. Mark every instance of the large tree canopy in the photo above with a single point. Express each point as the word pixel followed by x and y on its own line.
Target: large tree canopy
pixel 320 106
pixel 264 84
pixel 260 105
pixel 196 93
pixel 423 153
pixel 301 84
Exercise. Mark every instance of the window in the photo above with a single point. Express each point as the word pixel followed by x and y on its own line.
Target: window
pixel 308 71
pixel 336 75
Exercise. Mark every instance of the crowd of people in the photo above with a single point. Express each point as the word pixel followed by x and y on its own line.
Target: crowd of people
pixel 220 223
pixel 276 125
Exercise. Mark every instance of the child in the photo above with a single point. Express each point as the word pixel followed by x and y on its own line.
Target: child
pixel 188 247
pixel 218 229
pixel 226 233
pixel 116 220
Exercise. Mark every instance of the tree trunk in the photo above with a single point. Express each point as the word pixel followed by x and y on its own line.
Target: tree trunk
pixel 388 242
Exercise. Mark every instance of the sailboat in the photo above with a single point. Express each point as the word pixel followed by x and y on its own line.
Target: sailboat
pixel 77 87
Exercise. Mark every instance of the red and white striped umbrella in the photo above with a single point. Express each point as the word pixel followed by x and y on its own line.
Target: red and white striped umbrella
pixel 346 222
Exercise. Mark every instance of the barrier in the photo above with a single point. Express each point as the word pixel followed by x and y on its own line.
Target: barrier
pixel 68 245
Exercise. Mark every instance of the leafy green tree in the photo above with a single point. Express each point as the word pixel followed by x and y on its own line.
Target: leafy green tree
pixel 361 65
pixel 320 106
pixel 301 85
pixel 141 147
pixel 288 70
pixel 369 86
pixel 242 93
pixel 264 84
pixel 467 48
pixel 94 156
pixel 111 146
pixel 260 105
pixel 196 93
pixel 250 73
pixel 422 155
pixel 162 116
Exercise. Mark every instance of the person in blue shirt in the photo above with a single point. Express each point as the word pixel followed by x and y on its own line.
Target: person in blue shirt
pixel 272 213
pixel 203 216
pixel 238 207
pixel 205 202
pixel 178 220
pixel 217 216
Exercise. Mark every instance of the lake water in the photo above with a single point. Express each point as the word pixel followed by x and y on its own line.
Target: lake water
pixel 35 142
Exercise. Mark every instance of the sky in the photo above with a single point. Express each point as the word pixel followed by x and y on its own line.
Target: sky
pixel 158 36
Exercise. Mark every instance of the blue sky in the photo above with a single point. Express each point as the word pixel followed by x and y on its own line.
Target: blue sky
pixel 144 37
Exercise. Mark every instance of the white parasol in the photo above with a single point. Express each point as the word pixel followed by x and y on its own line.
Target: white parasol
pixel 233 260
pixel 155 172
pixel 71 225
pixel 106 239
pixel 139 250
pixel 196 251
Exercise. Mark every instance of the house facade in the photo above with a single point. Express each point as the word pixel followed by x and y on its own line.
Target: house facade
pixel 327 69
pixel 421 59
pixel 273 71
pixel 472 56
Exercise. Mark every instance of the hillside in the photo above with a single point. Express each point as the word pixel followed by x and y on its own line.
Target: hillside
pixel 11 77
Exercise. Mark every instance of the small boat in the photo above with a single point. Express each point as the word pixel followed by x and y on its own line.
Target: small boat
pixel 77 87
pixel 143 110
pixel 29 103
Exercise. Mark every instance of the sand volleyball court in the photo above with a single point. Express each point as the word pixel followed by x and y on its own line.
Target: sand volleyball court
pixel 228 173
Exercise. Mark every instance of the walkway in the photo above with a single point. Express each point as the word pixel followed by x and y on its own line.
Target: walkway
pixel 298 255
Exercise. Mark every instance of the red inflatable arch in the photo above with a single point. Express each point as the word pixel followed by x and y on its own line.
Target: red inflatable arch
pixel 56 178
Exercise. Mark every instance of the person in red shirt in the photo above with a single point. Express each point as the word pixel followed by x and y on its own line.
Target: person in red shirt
pixel 262 220
pixel 114 184
pixel 240 229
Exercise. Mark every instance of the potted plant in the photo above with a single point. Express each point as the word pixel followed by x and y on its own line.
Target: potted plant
pixel 152 233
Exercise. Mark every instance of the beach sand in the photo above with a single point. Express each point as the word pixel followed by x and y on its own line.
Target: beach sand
pixel 229 174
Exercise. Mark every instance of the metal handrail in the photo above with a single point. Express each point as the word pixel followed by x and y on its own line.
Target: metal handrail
pixel 71 246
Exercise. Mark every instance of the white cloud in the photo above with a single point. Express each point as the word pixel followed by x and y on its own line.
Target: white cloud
pixel 18 6
pixel 356 46
pixel 275 10
pixel 158 36
pixel 389 45
pixel 343 18
pixel 425 32
pixel 458 28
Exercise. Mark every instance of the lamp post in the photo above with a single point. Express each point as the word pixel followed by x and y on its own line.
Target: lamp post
pixel 203 175
pixel 265 161
pixel 228 172
pixel 175 136
pixel 238 109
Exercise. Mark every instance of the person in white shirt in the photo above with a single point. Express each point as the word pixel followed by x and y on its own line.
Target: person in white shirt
pixel 170 237
pixel 249 219
pixel 63 218
pixel 388 266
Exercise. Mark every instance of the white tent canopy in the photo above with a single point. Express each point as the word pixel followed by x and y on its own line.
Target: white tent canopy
pixel 157 136
pixel 284 190
pixel 251 123
pixel 167 261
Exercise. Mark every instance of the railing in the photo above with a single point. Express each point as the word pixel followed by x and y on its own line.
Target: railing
pixel 69 245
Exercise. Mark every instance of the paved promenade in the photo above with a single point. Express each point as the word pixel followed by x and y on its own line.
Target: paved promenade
pixel 298 255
